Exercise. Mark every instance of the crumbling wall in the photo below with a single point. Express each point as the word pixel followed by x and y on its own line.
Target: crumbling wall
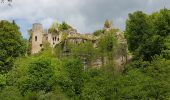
pixel 37 38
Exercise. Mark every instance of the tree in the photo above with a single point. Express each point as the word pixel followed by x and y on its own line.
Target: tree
pixel 10 93
pixel 98 32
pixel 146 34
pixel 72 83
pixel 107 45
pixel 40 76
pixel 99 85
pixel 132 86
pixel 137 30
pixel 151 47
pixel 88 52
pixel 107 24
pixel 161 24
pixel 2 81
pixel 159 70
pixel 54 27
pixel 12 45
pixel 64 26
pixel 145 80
pixel 166 51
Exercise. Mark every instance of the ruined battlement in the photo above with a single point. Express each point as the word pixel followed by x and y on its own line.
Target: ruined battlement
pixel 37 27
pixel 39 36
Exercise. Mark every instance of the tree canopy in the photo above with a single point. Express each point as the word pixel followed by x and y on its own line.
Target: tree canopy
pixel 12 44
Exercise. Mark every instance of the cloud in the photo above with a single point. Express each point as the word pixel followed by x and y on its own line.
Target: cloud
pixel 85 15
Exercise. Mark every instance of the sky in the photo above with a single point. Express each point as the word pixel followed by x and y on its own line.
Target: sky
pixel 84 15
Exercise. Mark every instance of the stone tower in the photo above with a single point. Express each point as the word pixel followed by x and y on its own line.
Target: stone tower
pixel 37 38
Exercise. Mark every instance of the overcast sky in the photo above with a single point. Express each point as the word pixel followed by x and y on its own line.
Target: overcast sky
pixel 84 15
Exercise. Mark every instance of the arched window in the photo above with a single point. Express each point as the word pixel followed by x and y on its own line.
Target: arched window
pixel 35 38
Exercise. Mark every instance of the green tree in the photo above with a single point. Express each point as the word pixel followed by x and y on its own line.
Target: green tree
pixel 107 45
pixel 2 81
pixel 84 51
pixel 133 86
pixel 161 24
pixel 54 27
pixel 107 24
pixel 166 50
pixel 64 26
pixel 73 82
pixel 12 45
pixel 99 85
pixel 159 70
pixel 137 30
pixel 98 32
pixel 152 46
pixel 40 76
pixel 10 93
pixel 147 79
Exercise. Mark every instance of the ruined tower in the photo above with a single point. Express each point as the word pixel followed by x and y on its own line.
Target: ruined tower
pixel 37 38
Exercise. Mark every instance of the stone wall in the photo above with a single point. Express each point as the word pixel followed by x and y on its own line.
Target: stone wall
pixel 37 38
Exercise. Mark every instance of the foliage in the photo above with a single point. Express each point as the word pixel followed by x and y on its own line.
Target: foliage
pixel 107 46
pixel 99 85
pixel 161 24
pixel 41 95
pixel 64 26
pixel 166 51
pixel 151 47
pixel 146 34
pixel 35 73
pixel 47 76
pixel 98 32
pixel 2 81
pixel 107 24
pixel 132 85
pixel 10 93
pixel 137 30
pixel 107 42
pixel 73 82
pixel 54 27
pixel 142 80
pixel 12 45
pixel 83 51
pixel 41 75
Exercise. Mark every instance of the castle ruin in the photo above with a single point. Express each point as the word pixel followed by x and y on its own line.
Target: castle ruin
pixel 38 36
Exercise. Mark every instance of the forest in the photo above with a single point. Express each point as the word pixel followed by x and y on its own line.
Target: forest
pixel 52 76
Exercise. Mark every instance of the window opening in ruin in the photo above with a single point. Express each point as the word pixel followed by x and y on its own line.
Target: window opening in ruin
pixel 41 45
pixel 35 38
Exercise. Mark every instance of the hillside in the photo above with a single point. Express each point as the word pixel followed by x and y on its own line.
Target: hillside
pixel 62 64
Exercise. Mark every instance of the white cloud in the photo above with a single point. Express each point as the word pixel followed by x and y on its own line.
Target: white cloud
pixel 85 15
